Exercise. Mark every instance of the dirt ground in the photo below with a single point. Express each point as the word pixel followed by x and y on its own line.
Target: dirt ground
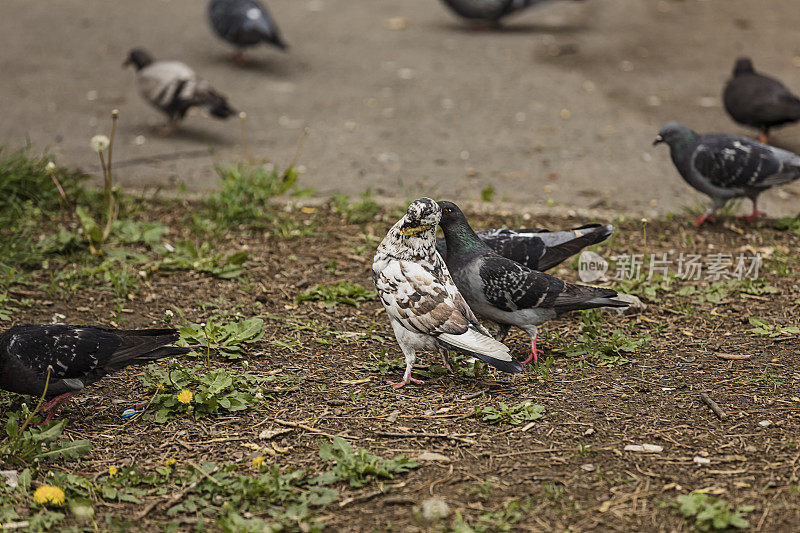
pixel 562 104
pixel 570 466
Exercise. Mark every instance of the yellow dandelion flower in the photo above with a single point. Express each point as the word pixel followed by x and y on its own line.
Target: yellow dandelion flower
pixel 112 470
pixel 185 396
pixel 49 494
pixel 258 461
pixel 170 462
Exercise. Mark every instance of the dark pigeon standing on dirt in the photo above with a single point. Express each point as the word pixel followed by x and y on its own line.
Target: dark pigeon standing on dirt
pixel 727 166
pixel 425 308
pixel 244 23
pixel 173 88
pixel 758 101
pixel 538 249
pixel 507 292
pixel 78 356
pixel 489 11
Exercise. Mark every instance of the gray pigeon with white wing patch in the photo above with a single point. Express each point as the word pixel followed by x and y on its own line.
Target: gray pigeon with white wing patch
pixel 425 308
pixel 727 166
pixel 173 88
pixel 77 356
pixel 505 291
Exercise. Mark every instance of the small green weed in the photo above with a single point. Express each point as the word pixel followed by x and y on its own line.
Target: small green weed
pixel 9 306
pixel 343 292
pixel 710 513
pixel 195 392
pixel 515 415
pixel 26 443
pixel 487 193
pixel 357 466
pixel 385 366
pixel 607 350
pixel 356 212
pixel 225 340
pixel 788 224
pixel 186 256
pixel 761 327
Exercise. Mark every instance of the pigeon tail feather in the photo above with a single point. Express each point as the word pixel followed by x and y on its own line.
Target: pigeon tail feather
pixel 476 344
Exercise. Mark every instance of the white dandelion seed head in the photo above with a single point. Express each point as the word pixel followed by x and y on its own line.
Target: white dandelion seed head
pixel 50 166
pixel 99 143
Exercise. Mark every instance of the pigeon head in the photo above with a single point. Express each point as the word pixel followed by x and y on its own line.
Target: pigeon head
pixel 457 232
pixel 675 134
pixel 421 216
pixel 743 65
pixel 139 58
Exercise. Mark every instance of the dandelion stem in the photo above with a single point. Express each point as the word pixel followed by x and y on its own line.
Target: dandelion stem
pixel 41 400
pixel 109 190
pixel 60 189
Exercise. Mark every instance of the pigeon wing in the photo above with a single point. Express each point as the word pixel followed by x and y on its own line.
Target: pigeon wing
pixel 733 162
pixel 510 286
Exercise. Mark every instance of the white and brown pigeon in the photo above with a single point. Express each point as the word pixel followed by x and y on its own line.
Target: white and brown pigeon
pixel 77 356
pixel 727 166
pixel 489 11
pixel 538 249
pixel 173 88
pixel 244 23
pixel 507 292
pixel 425 308
pixel 759 101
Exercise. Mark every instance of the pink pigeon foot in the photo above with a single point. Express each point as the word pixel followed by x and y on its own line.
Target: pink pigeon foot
pixel 52 406
pixel 534 355
pixel 405 382
pixel 752 216
pixel 702 218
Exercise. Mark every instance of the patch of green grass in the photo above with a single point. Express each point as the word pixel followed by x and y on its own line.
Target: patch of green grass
pixel 357 466
pixel 243 196
pixel 605 350
pixel 514 415
pixel 9 306
pixel 186 256
pixel 27 443
pixel 487 193
pixel 761 327
pixel 791 224
pixel 343 292
pixel 358 212
pixel 197 393
pixel 225 340
pixel 709 513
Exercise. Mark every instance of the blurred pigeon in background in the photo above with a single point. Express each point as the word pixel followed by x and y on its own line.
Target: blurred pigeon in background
pixel 507 292
pixel 538 249
pixel 173 88
pixel 489 11
pixel 77 355
pixel 425 308
pixel 244 23
pixel 759 101
pixel 727 166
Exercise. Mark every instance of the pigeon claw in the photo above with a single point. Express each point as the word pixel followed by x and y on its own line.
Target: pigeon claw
pixel 752 216
pixel 405 382
pixel 763 138
pixel 702 218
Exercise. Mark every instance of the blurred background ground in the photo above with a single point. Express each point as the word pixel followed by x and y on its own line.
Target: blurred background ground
pixel 401 98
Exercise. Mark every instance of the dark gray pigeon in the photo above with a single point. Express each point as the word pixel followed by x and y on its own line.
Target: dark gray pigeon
pixel 727 166
pixel 78 355
pixel 173 88
pixel 539 249
pixel 489 11
pixel 758 101
pixel 505 291
pixel 244 23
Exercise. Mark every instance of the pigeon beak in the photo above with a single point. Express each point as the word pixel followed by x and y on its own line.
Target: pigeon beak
pixel 412 231
pixel 659 139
